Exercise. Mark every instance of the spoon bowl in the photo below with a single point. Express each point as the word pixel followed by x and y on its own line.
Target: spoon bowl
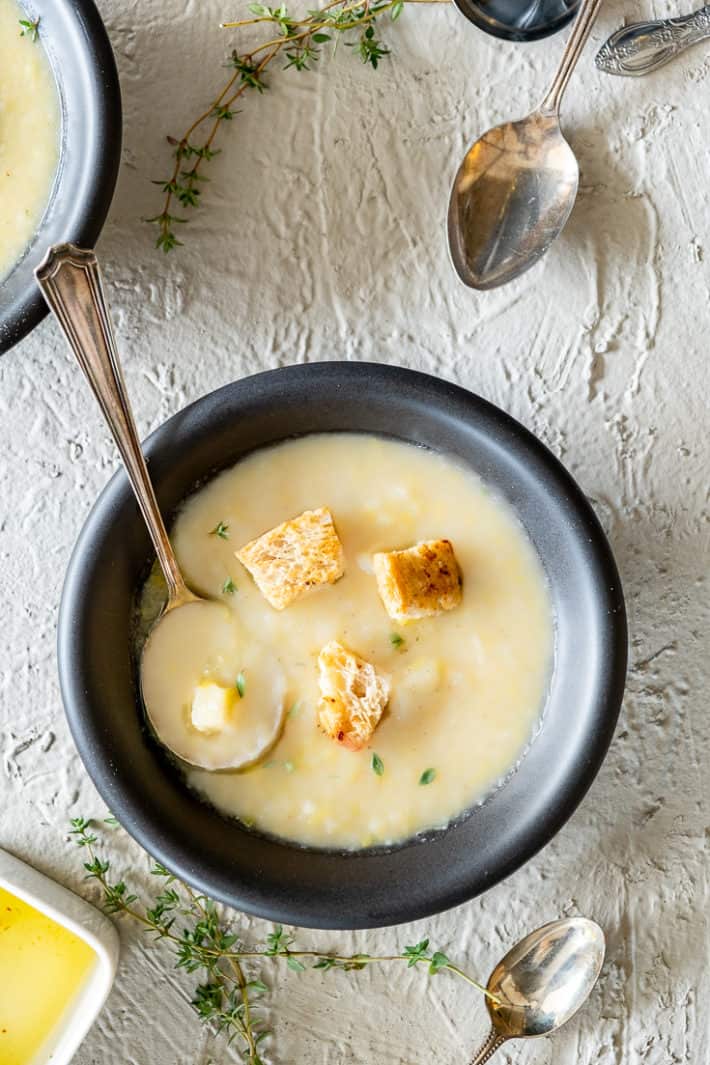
pixel 205 631
pixel 512 196
pixel 542 982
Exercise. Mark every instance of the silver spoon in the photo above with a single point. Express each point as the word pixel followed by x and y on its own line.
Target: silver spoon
pixel 641 47
pixel 71 282
pixel 517 184
pixel 542 982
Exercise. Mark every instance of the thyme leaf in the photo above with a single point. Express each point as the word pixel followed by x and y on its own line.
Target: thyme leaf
pixel 220 530
pixel 30 28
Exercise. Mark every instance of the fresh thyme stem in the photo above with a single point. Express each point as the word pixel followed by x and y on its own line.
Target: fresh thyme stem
pixel 300 40
pixel 246 1029
pixel 188 193
pixel 368 959
pixel 226 998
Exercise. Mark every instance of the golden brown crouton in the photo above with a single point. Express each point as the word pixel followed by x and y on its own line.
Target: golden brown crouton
pixel 294 557
pixel 419 582
pixel 353 696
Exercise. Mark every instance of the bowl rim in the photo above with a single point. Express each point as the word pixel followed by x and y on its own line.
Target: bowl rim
pixel 180 858
pixel 28 310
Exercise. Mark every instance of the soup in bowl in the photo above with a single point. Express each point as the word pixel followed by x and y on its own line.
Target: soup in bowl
pixel 491 684
pixel 29 132
pixel 434 692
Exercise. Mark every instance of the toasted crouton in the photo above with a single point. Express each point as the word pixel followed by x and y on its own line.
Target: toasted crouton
pixel 294 557
pixel 419 582
pixel 353 696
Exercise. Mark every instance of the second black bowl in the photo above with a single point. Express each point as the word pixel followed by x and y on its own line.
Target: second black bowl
pixel 279 880
pixel 514 20
pixel 79 52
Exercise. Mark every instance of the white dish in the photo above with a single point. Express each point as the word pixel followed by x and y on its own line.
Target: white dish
pixel 86 922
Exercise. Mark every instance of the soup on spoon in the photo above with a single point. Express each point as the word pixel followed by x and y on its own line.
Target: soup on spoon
pixel 215 698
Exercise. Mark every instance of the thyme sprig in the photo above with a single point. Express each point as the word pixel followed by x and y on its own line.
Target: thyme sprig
pixel 299 41
pixel 204 941
pixel 30 28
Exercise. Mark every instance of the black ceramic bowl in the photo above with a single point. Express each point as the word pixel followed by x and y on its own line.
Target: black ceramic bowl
pixel 519 20
pixel 74 37
pixel 275 879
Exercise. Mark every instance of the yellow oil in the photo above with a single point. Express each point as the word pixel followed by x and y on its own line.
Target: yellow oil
pixel 42 967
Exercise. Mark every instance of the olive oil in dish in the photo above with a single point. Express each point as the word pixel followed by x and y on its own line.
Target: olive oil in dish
pixel 464 687
pixel 29 133
pixel 43 967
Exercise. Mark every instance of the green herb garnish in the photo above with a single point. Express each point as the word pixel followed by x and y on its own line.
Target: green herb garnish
pixel 229 587
pixel 30 28
pixel 416 953
pixel 370 49
pixel 427 776
pixel 297 40
pixel 377 765
pixel 289 767
pixel 220 530
pixel 438 961
pixel 241 684
pixel 396 640
pixel 208 946
pixel 295 710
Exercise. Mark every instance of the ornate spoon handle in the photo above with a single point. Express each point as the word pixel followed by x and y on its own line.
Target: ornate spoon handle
pixel 71 282
pixel 641 47
pixel 488 1049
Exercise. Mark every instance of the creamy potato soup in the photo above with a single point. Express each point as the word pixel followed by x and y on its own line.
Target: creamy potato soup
pixel 29 133
pixel 464 686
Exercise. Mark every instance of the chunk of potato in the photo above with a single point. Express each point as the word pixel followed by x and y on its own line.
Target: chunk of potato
pixel 212 705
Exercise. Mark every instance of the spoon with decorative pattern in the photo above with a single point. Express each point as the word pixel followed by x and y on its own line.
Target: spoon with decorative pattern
pixel 640 47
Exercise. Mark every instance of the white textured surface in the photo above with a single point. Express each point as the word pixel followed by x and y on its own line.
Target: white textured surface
pixel 324 239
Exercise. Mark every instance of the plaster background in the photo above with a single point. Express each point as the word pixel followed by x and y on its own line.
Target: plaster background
pixel 324 238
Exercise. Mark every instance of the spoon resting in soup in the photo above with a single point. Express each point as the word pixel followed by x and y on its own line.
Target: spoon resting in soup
pixel 191 636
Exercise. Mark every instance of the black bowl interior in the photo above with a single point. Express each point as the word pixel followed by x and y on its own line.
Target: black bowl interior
pixel 74 37
pixel 516 21
pixel 319 888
